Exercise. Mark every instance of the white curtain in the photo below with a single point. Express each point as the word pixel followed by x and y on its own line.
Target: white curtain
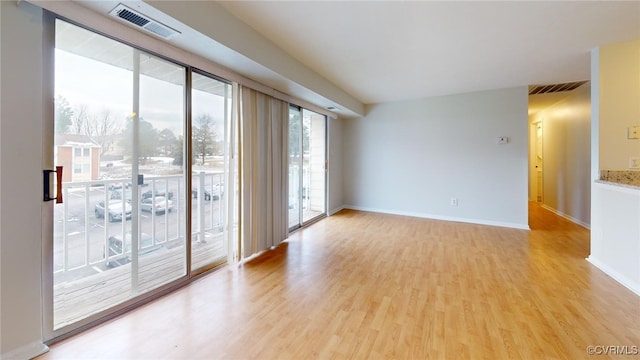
pixel 264 148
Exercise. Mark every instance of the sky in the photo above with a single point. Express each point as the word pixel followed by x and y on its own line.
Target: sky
pixel 102 87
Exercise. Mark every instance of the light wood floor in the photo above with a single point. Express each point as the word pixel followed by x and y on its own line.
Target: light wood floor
pixel 76 299
pixel 364 285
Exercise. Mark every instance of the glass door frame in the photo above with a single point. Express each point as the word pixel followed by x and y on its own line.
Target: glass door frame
pixel 49 331
pixel 226 208
pixel 49 334
pixel 301 222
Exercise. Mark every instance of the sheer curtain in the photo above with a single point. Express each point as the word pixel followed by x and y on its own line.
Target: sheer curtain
pixel 264 129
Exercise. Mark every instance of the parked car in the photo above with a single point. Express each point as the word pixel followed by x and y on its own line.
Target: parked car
pixel 158 204
pixel 114 210
pixel 115 185
pixel 119 193
pixel 118 256
pixel 160 190
pixel 214 192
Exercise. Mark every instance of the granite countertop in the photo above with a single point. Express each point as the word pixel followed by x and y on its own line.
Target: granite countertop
pixel 618 184
pixel 625 178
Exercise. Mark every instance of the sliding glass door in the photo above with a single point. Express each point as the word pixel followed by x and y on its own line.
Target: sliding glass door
pixel 150 182
pixel 307 166
pixel 211 162
pixel 295 167
pixel 119 124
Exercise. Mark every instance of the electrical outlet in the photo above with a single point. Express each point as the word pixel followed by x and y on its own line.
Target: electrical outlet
pixel 633 132
pixel 634 162
pixel 454 201
pixel 503 139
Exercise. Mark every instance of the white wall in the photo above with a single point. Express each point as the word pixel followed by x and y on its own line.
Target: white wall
pixel 334 182
pixel 21 184
pixel 412 157
pixel 615 233
pixel 615 209
pixel 619 103
pixel 567 155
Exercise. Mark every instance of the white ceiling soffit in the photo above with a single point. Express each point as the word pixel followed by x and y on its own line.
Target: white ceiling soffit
pixel 209 31
pixel 88 44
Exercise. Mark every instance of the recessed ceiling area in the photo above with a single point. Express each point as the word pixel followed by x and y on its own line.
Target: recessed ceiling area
pixel 544 96
pixel 346 54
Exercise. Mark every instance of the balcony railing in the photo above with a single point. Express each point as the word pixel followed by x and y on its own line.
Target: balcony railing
pixel 92 239
pixel 96 211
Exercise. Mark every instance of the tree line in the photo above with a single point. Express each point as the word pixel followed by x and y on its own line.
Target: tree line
pixel 115 136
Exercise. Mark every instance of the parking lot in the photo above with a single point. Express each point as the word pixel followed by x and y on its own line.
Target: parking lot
pixel 87 235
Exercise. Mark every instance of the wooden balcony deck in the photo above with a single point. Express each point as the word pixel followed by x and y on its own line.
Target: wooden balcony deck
pixel 77 299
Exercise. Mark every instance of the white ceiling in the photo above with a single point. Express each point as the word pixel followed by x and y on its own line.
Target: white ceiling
pixel 396 50
pixel 392 50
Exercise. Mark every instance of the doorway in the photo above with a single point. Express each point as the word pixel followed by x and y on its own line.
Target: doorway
pixel 118 115
pixel 149 181
pixel 307 166
pixel 538 163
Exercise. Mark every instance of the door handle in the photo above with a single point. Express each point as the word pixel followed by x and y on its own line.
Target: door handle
pixel 46 174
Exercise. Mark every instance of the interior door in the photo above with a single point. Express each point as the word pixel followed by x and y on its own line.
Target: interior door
pixel 539 162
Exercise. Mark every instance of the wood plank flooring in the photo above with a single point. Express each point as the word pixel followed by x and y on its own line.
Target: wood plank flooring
pixel 76 299
pixel 373 286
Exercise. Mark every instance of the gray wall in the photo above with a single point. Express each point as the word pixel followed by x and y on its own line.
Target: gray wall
pixel 412 157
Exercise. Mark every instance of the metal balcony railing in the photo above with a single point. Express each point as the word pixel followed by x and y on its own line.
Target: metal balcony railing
pixel 93 226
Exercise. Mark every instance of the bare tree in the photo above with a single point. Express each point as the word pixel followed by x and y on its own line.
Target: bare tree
pixel 204 136
pixel 80 121
pixel 104 129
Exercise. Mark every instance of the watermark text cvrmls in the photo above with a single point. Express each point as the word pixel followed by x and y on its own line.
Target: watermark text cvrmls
pixel 612 350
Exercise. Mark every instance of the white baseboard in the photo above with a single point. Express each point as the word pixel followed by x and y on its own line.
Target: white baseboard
pixel 568 217
pixel 623 280
pixel 440 217
pixel 28 351
pixel 334 211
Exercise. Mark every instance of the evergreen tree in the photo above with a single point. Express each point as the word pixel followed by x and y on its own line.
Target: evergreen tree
pixel 63 115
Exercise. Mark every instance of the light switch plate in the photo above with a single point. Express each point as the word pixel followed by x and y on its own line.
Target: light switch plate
pixel 503 139
pixel 633 132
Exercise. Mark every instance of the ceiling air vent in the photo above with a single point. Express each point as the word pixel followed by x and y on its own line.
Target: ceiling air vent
pixel 131 16
pixel 545 89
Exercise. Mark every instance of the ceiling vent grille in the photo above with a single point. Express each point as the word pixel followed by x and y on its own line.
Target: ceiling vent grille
pixel 545 89
pixel 133 17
